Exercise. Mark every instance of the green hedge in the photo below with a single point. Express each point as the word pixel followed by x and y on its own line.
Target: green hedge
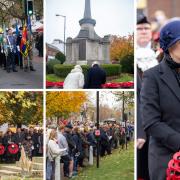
pixel 50 65
pixel 127 64
pixel 63 70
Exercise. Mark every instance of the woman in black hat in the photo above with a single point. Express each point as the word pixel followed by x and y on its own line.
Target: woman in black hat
pixel 160 98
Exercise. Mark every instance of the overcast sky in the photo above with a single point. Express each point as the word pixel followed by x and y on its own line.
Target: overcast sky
pixel 112 17
pixel 105 97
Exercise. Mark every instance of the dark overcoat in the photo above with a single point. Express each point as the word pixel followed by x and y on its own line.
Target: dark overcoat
pixel 142 154
pixel 160 97
pixel 95 78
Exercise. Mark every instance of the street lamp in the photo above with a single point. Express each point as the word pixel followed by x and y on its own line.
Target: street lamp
pixel 59 15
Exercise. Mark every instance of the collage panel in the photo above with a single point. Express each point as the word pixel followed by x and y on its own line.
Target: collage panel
pixel 158 89
pixel 21 135
pixel 21 44
pixel 89 44
pixel 92 132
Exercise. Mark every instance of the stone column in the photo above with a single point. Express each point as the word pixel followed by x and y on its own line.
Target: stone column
pixel 68 51
pixel 57 168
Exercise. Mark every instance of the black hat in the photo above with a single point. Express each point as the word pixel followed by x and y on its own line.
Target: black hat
pixel 142 19
pixel 69 126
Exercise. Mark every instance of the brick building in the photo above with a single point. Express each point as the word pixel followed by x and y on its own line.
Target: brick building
pixel 170 7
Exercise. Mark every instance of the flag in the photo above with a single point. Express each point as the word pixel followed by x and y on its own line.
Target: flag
pixel 29 23
pixel 24 44
pixel 17 47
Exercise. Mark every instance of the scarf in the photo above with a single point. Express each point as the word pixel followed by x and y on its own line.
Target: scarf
pixel 146 59
pixel 174 66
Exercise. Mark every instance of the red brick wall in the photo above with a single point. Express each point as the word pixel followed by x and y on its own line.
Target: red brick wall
pixel 170 7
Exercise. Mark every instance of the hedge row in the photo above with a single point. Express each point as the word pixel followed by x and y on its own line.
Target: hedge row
pixel 50 65
pixel 64 70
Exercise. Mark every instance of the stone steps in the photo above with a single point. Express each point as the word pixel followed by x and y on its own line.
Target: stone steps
pixel 35 166
pixel 9 173
pixel 37 159
pixel 16 170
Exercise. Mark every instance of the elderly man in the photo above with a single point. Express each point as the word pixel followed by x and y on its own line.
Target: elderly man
pixel 95 77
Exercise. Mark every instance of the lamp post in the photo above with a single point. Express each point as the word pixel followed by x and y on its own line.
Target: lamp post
pixel 97 124
pixel 59 15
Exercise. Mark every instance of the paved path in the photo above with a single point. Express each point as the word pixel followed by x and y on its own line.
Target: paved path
pixel 23 80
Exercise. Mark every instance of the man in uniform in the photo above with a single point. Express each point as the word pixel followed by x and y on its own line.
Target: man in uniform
pixel 11 49
pixel 19 59
pixel 2 51
pixel 30 52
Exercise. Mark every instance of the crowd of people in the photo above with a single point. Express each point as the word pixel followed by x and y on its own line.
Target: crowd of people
pixel 73 143
pixel 158 87
pixel 95 78
pixel 11 143
pixel 13 52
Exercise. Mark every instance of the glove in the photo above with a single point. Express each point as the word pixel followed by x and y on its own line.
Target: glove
pixel 18 48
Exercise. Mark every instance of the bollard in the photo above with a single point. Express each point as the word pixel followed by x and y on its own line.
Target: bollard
pixel 57 168
pixel 91 155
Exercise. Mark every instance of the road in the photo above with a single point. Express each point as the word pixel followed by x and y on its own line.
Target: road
pixel 24 80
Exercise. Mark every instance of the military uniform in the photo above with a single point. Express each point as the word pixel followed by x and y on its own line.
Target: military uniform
pixel 11 50
pixel 30 53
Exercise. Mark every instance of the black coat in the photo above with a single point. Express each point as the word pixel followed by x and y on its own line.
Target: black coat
pixel 160 98
pixel 95 78
pixel 104 140
pixel 70 141
pixel 142 154
pixel 19 137
pixel 91 139
pixel 78 141
pixel 8 139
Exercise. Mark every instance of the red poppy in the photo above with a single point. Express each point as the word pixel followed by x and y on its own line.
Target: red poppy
pixel 13 148
pixel 119 85
pixel 49 84
pixel 173 170
pixel 54 84
pixel 2 149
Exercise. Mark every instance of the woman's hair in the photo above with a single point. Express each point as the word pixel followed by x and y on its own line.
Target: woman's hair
pixel 53 134
pixel 61 127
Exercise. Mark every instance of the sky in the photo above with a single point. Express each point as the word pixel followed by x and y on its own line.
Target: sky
pixel 106 98
pixel 112 17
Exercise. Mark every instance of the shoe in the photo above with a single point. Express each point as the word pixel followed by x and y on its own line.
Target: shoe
pixel 15 70
pixel 32 69
pixel 25 69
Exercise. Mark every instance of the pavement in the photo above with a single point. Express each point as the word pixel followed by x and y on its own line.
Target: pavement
pixel 24 80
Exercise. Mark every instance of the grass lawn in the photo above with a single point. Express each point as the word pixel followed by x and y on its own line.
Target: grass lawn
pixel 54 78
pixel 118 166
pixel 123 78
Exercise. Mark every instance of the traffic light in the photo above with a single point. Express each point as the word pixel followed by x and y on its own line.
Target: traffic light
pixel 29 7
